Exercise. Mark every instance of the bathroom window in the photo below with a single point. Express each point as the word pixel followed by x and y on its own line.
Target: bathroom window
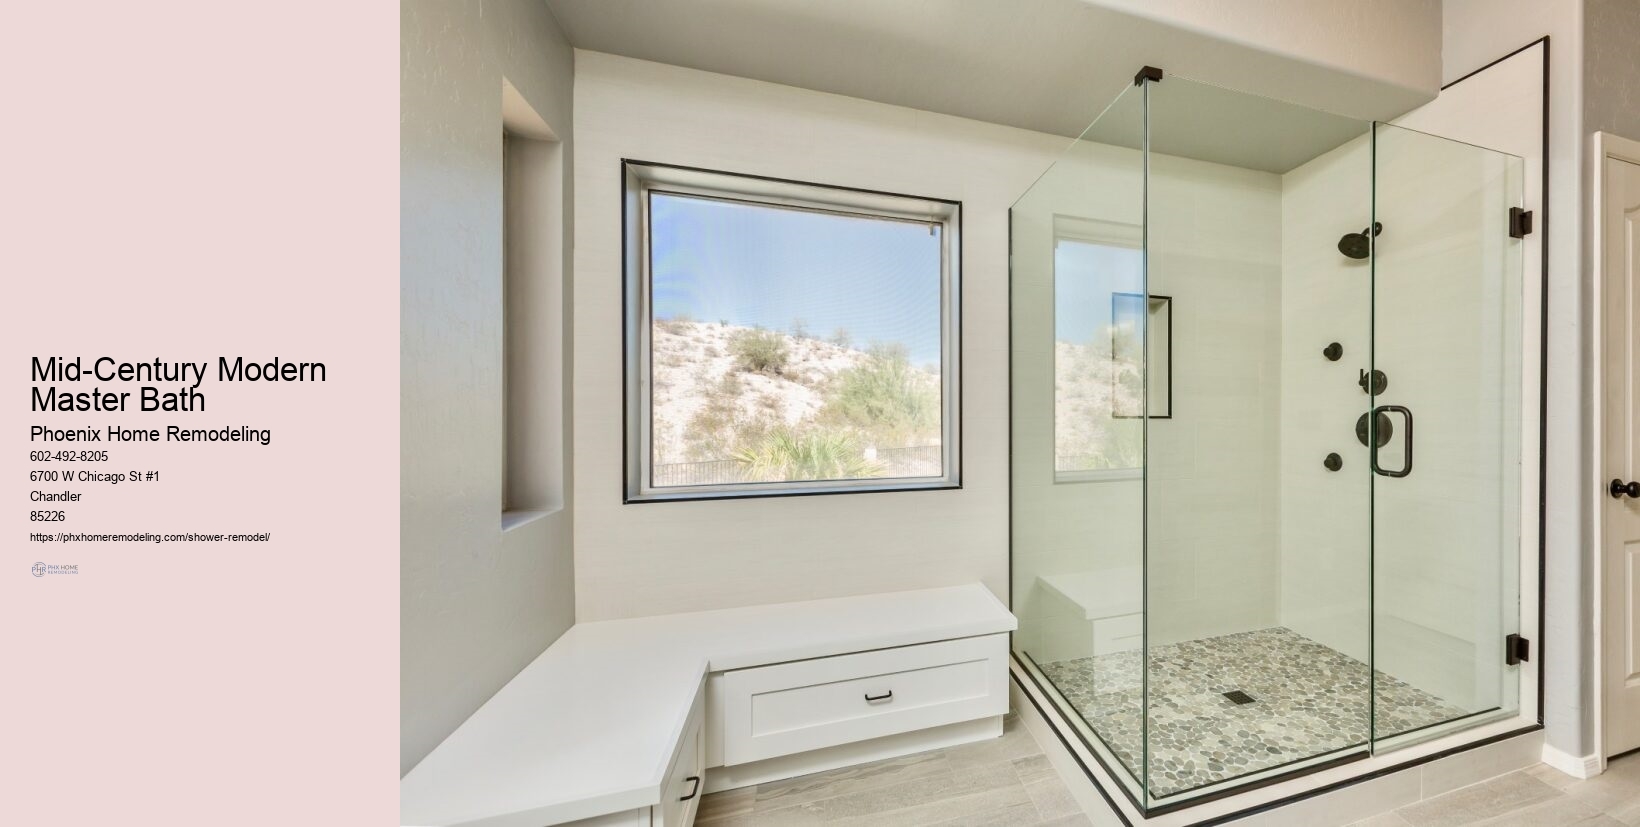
pixel 1098 359
pixel 787 338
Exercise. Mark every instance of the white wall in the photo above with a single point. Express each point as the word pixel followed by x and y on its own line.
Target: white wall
pixel 653 558
pixel 1611 67
pixel 1214 574
pixel 475 605
pixel 1477 32
pixel 1044 65
pixel 1611 103
pixel 1394 41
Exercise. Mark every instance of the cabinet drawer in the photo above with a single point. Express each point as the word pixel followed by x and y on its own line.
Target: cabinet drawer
pixel 810 704
pixel 685 778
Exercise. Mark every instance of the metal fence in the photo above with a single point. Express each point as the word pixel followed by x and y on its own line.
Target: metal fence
pixel 914 456
pixel 913 461
pixel 715 472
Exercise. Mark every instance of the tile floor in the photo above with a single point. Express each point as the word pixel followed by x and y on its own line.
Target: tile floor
pixel 1535 797
pixel 1007 781
pixel 1308 700
pixel 1001 781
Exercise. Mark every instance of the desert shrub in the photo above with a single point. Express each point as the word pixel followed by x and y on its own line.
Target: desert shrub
pixel 1123 445
pixel 760 351
pixel 783 454
pixel 715 428
pixel 885 397
pixel 842 338
pixel 678 325
pixel 729 387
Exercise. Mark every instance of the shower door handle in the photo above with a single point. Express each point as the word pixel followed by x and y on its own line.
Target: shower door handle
pixel 1407 467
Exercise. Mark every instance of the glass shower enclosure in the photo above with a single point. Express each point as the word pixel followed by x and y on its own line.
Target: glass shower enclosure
pixel 1267 437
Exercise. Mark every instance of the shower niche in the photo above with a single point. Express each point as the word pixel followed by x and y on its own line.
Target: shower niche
pixel 1269 417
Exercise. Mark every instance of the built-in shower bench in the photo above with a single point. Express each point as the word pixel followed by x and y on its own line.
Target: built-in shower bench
pixel 618 721
pixel 1110 601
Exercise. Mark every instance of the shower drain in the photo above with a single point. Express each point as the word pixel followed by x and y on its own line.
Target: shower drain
pixel 1239 697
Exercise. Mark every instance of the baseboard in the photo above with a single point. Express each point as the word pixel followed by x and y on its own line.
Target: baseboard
pixel 1587 766
pixel 719 779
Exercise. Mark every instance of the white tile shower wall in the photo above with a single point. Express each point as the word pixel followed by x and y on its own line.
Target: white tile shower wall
pixel 1215 234
pixel 1442 543
pixel 634 560
pixel 1326 298
pixel 1446 538
pixel 1214 246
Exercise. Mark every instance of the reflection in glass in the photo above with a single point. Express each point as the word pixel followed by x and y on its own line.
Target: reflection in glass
pixel 1138 322
pixel 1213 586
pixel 1096 378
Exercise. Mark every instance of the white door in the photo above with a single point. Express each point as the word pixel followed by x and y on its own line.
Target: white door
pixel 1621 215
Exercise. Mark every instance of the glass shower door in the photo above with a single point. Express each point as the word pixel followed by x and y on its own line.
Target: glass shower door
pixel 1257 525
pixel 1445 443
pixel 1076 246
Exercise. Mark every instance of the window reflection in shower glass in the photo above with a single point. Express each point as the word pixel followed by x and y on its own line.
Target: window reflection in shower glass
pixel 1134 318
pixel 1075 239
pixel 1096 378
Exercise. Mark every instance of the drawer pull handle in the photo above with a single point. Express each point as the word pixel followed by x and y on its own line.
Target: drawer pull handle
pixel 871 699
pixel 694 790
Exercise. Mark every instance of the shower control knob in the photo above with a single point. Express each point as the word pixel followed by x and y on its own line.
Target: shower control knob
pixel 1333 462
pixel 1333 352
pixel 1374 383
pixel 1620 489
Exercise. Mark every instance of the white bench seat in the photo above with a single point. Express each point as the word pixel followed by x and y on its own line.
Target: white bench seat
pixel 591 727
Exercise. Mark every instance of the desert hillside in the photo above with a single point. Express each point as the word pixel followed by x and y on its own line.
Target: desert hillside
pixel 1089 387
pixel 734 402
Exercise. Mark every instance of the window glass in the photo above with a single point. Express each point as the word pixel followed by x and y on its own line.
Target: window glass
pixel 789 344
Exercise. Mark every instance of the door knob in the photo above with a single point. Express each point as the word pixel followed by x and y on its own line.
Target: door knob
pixel 1619 489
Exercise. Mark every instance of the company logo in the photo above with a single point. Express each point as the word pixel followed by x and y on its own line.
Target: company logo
pixel 38 570
pixel 43 569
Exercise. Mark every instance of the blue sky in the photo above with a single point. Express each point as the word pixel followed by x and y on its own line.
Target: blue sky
pixel 770 267
pixel 1085 276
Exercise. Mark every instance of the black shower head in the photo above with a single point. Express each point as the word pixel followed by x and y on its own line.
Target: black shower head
pixel 1358 245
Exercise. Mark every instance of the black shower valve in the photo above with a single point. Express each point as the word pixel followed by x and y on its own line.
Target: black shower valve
pixel 1374 385
pixel 1333 352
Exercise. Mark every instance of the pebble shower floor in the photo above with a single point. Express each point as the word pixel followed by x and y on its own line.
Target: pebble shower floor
pixel 1308 700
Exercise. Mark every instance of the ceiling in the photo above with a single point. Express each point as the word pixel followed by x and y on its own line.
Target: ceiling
pixel 1043 65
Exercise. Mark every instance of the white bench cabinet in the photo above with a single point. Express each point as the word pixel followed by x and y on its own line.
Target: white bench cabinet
pixel 626 723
